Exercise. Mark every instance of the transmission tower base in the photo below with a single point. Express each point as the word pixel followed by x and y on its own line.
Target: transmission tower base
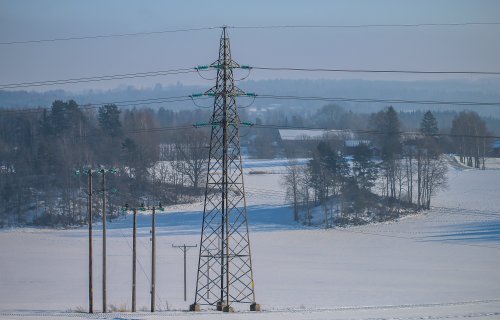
pixel 194 307
pixel 228 309
pixel 255 307
pixel 221 305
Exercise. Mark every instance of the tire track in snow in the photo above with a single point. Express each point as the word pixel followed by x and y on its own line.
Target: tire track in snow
pixel 417 239
pixel 463 211
pixel 405 307
pixel 436 215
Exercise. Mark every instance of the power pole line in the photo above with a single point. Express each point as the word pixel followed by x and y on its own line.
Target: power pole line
pixel 104 303
pixel 90 173
pixel 153 260
pixel 153 253
pixel 91 290
pixel 225 225
pixel 134 258
pixel 184 249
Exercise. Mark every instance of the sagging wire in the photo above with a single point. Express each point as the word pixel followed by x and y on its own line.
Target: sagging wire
pixel 249 69
pixel 192 96
pixel 204 68
pixel 200 69
pixel 158 304
pixel 248 105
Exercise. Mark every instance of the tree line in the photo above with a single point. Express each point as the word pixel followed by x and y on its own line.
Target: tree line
pixel 41 150
pixel 384 175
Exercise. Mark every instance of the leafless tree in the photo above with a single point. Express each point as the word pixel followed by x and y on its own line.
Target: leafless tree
pixel 465 126
pixel 192 157
pixel 291 182
pixel 434 179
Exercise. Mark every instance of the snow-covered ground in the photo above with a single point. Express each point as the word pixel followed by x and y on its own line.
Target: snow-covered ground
pixel 443 264
pixel 489 163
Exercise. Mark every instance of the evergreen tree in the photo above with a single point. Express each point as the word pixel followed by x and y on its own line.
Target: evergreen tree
pixel 109 120
pixel 64 116
pixel 328 170
pixel 391 127
pixel 364 169
pixel 429 125
pixel 389 140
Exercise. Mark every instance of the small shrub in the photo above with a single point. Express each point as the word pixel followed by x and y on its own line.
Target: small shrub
pixel 120 308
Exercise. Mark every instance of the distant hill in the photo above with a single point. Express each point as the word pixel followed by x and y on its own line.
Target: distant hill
pixel 484 90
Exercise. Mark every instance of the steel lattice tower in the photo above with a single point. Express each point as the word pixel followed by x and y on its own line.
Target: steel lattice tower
pixel 225 264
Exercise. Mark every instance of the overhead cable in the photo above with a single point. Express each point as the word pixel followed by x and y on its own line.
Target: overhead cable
pixel 104 36
pixel 148 33
pixel 97 78
pixel 347 26
pixel 123 103
pixel 371 100
pixel 375 70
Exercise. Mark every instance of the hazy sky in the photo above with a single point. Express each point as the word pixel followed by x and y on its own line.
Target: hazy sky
pixel 427 48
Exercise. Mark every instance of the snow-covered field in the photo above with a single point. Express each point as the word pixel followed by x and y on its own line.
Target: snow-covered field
pixel 443 264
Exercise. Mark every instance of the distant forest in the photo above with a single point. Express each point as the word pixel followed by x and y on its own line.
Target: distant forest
pixel 154 153
pixel 485 90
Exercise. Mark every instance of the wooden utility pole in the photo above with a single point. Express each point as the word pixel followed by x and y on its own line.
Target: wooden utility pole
pixel 91 290
pixel 134 258
pixel 104 309
pixel 484 153
pixel 90 173
pixel 184 249
pixel 153 260
pixel 134 255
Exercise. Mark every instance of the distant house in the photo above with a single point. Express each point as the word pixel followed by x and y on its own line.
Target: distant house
pixel 303 142
pixel 314 135
pixel 351 144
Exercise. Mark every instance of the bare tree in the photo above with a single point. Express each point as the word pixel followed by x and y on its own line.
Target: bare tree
pixel 192 157
pixel 471 149
pixel 434 179
pixel 291 182
pixel 162 171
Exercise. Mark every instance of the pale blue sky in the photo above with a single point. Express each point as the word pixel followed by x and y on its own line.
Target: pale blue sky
pixel 429 48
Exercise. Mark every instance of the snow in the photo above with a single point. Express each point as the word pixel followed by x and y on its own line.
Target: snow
pixel 439 264
pixel 489 162
pixel 296 134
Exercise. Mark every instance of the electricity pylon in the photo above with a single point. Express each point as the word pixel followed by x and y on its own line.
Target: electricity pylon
pixel 225 264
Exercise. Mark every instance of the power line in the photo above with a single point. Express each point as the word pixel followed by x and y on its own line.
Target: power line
pixel 192 70
pixel 160 129
pixel 135 34
pixel 371 100
pixel 341 131
pixel 266 96
pixel 375 71
pixel 378 132
pixel 347 26
pixel 285 127
pixel 118 35
pixel 97 78
pixel 124 103
pixel 145 130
